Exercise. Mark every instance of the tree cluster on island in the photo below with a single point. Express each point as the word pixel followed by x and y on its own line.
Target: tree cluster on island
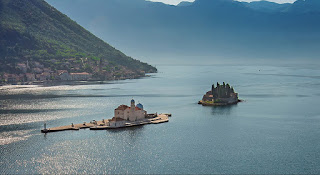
pixel 220 95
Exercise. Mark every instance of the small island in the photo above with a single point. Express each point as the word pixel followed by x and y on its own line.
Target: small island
pixel 124 116
pixel 220 96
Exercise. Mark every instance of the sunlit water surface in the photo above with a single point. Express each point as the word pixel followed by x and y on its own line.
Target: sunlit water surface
pixel 275 130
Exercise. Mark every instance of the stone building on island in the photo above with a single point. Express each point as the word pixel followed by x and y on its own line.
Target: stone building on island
pixel 221 95
pixel 124 113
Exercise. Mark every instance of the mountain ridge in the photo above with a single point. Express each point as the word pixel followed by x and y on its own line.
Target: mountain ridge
pixel 217 29
pixel 34 31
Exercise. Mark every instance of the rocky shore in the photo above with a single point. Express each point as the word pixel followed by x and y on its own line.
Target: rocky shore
pixel 221 95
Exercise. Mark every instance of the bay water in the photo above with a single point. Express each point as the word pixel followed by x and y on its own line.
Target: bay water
pixel 275 130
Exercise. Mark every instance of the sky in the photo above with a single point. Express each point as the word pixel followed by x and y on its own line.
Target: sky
pixel 175 2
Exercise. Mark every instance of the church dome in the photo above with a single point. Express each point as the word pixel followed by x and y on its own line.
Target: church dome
pixel 140 106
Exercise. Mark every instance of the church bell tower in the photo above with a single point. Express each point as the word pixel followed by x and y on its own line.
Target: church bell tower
pixel 133 106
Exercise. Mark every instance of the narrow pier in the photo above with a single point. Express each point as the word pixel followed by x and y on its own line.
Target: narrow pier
pixel 104 124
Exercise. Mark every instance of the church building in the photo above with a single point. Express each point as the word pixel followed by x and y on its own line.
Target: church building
pixel 132 113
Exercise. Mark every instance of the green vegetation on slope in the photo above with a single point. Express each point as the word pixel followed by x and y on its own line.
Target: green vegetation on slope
pixel 32 30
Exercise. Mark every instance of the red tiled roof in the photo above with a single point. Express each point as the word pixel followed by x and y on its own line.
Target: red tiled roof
pixel 122 107
pixel 136 108
pixel 82 73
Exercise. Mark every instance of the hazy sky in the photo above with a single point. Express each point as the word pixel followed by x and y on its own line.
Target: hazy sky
pixel 175 2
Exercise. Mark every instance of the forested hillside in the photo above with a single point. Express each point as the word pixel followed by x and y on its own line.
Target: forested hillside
pixel 32 31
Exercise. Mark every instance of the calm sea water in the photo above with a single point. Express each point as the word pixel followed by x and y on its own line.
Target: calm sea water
pixel 276 129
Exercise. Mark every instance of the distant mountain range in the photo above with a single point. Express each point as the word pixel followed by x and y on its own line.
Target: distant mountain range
pixel 185 3
pixel 298 7
pixel 39 38
pixel 266 6
pixel 204 30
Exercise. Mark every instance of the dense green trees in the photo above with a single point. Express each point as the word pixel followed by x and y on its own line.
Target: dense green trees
pixel 34 30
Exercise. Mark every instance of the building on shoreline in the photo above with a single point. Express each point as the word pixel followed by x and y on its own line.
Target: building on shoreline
pixel 65 76
pixel 80 76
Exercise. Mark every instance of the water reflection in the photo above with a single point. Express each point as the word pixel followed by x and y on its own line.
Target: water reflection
pixel 45 136
pixel 287 75
pixel 132 132
pixel 52 96
pixel 222 110
pixel 8 137
pixel 23 111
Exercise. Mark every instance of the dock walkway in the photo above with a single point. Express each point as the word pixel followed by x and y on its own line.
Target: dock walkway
pixel 102 125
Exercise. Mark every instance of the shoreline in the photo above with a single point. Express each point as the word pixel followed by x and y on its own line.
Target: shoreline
pixel 219 104
pixel 50 83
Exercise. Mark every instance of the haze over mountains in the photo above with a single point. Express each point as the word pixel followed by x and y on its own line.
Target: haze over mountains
pixel 204 30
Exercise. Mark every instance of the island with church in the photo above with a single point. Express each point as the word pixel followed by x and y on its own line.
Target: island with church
pixel 124 116
pixel 220 96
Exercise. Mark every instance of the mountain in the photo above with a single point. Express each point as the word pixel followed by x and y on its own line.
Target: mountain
pixel 185 3
pixel 305 6
pixel 266 6
pixel 33 32
pixel 298 7
pixel 207 31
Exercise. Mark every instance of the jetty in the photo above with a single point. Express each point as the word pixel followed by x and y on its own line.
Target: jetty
pixel 106 124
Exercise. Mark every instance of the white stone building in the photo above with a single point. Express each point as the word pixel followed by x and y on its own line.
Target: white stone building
pixel 132 113
pixel 117 122
pixel 64 75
